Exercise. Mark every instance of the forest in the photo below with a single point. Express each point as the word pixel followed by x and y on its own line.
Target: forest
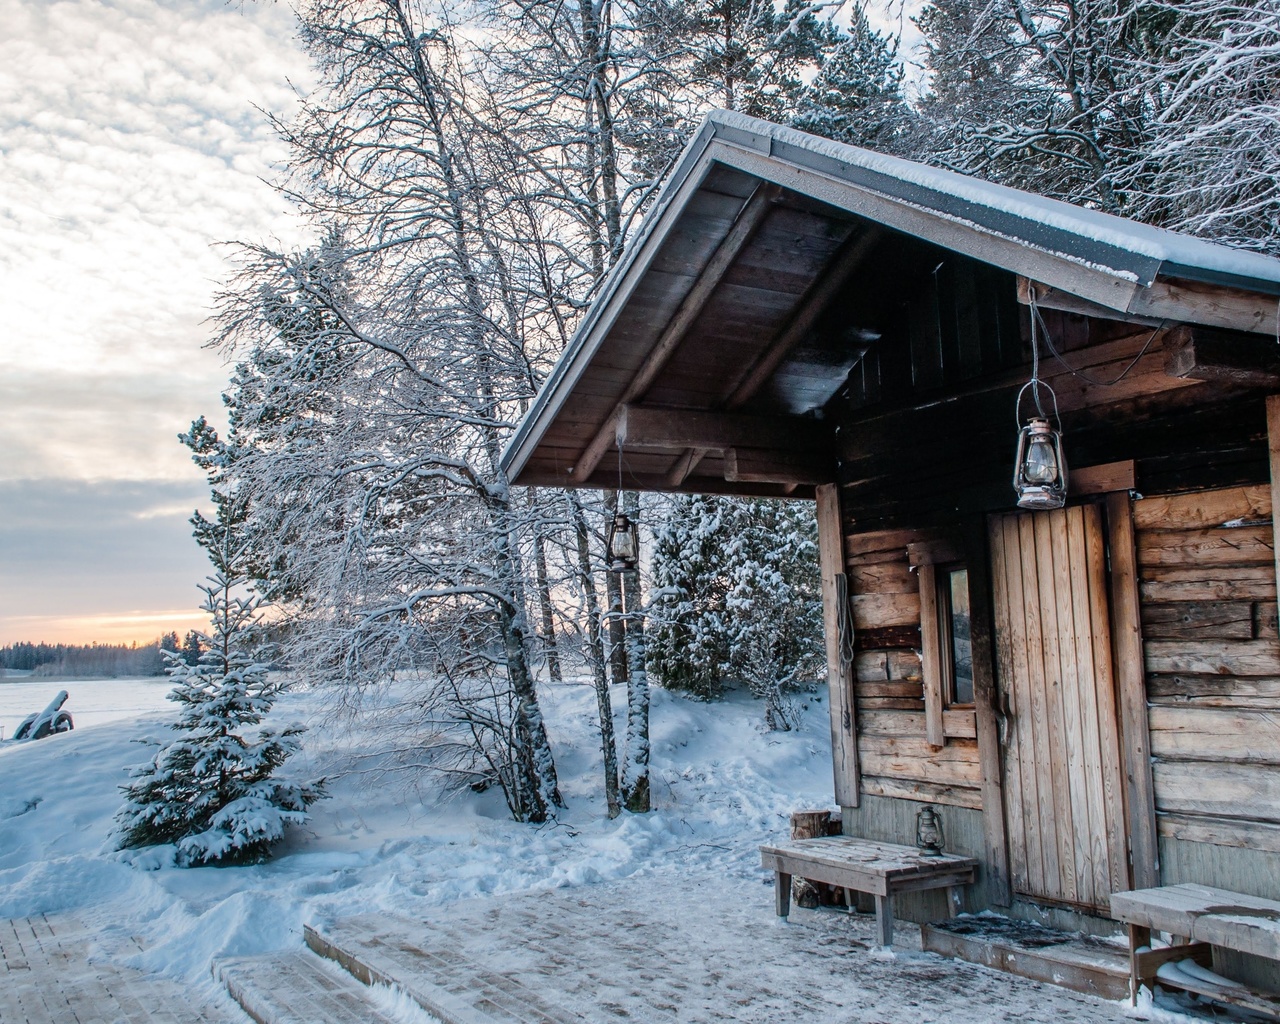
pixel 469 176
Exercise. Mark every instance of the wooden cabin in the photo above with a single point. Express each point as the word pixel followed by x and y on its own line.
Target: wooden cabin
pixel 1089 695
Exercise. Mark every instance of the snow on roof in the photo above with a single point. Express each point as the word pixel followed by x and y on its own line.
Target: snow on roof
pixel 1107 242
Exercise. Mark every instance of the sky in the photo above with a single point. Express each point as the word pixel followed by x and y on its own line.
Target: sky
pixel 130 147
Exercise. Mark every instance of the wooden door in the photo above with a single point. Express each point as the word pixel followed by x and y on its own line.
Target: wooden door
pixel 1063 792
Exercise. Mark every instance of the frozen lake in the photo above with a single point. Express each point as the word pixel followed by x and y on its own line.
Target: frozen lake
pixel 90 701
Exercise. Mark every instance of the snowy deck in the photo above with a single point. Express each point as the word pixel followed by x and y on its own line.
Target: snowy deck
pixel 46 977
pixel 667 948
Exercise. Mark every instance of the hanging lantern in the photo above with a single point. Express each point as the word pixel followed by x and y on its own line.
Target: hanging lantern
pixel 1040 469
pixel 623 547
pixel 929 837
pixel 1040 473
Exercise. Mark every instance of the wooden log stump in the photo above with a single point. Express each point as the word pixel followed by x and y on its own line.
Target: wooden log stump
pixel 812 825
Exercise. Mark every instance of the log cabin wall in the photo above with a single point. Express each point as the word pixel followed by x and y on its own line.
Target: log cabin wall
pixel 1208 592
pixel 925 454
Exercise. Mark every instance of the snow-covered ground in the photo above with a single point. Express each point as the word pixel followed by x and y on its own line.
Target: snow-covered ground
pixel 721 785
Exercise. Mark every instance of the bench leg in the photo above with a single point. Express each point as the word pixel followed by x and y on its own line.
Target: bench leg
pixel 782 893
pixel 955 900
pixel 884 920
pixel 1138 937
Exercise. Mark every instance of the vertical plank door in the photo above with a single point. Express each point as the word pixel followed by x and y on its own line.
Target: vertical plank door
pixel 1062 778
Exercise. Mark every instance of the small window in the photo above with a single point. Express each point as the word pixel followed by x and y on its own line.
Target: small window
pixel 946 639
pixel 954 619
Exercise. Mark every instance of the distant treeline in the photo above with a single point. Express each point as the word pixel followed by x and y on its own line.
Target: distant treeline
pixel 99 659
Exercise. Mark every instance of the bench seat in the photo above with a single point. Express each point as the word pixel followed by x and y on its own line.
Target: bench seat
pixel 865 865
pixel 1198 917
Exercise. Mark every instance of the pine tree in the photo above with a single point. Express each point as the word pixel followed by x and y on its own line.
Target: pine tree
pixel 736 597
pixel 212 792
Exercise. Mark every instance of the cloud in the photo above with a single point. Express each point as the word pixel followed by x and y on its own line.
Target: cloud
pixel 129 146
pixel 70 550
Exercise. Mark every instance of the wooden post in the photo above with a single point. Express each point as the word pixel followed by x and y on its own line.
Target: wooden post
pixel 1273 449
pixel 1131 691
pixel 996 854
pixel 844 727
pixel 931 655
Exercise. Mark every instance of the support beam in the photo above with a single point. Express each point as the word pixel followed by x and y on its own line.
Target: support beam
pixel 811 306
pixel 1273 451
pixel 744 228
pixel 1131 692
pixel 985 702
pixel 677 429
pixel 1170 301
pixel 1232 357
pixel 835 617
pixel 766 466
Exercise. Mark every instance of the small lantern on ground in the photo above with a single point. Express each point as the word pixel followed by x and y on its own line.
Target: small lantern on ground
pixel 623 547
pixel 929 837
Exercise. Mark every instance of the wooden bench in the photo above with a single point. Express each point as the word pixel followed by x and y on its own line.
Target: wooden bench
pixel 863 865
pixel 1198 918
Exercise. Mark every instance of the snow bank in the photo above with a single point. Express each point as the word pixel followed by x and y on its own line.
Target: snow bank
pixel 721 785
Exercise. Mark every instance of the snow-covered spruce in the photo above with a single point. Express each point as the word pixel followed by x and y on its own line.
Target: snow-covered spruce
pixel 212 792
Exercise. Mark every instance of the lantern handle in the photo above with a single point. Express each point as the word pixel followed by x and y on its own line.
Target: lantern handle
pixel 1037 385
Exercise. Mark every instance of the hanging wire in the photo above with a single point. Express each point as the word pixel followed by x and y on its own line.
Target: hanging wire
pixel 1038 319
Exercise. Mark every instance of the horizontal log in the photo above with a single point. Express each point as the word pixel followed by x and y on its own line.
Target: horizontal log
pixel 755 465
pixel 907 725
pixel 1103 479
pixel 893 577
pixel 955 764
pixel 1201 303
pixel 873 611
pixel 1199 620
pixel 1223 790
pixel 1214 734
pixel 902 638
pixel 887 665
pixel 933 552
pixel 676 429
pixel 1229 356
pixel 1203 509
pixel 1244 545
pixel 1193 828
pixel 912 689
pixel 1259 692
pixel 889 704
pixel 856 544
pixel 925 792
pixel 1213 657
pixel 1219 583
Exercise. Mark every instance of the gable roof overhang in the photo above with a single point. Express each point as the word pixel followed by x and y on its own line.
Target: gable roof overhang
pixel 697 352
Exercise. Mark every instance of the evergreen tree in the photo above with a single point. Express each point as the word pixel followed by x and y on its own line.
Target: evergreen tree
pixel 856 96
pixel 212 791
pixel 737 597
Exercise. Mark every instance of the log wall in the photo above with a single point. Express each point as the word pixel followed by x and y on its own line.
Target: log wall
pixel 895 758
pixel 1212 655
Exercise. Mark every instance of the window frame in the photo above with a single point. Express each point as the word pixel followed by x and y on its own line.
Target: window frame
pixel 945 718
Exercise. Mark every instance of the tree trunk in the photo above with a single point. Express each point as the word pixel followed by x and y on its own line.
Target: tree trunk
pixel 550 650
pixel 617 625
pixel 635 769
pixel 595 654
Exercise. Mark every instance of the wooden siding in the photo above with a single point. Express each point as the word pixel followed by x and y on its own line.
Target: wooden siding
pixel 895 759
pixel 1206 564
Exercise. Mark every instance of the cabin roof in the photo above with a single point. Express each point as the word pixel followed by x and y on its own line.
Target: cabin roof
pixel 710 328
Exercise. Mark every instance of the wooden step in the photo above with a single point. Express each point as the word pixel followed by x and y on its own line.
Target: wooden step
pixel 297 988
pixel 377 949
pixel 1032 951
